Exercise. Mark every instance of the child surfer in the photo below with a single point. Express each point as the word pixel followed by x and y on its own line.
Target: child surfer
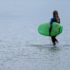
pixel 54 19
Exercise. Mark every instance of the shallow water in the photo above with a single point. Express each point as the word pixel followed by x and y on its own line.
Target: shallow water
pixel 21 46
pixel 33 56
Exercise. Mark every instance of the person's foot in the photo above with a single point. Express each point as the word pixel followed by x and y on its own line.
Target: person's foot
pixel 54 44
pixel 56 41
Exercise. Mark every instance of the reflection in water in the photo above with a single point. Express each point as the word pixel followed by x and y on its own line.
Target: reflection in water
pixel 47 47
pixel 54 49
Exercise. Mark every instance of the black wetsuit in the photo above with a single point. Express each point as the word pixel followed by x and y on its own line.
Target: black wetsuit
pixel 53 38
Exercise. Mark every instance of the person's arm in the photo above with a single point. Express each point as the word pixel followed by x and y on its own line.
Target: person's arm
pixel 50 27
pixel 59 21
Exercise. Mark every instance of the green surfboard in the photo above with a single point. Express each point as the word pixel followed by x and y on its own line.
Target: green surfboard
pixel 43 29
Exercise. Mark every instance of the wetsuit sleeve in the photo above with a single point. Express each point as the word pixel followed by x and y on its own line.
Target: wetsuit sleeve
pixel 51 21
pixel 50 26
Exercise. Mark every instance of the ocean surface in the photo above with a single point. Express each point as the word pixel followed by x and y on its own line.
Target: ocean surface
pixel 21 46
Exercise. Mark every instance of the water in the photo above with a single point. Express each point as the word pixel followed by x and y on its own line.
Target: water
pixel 21 46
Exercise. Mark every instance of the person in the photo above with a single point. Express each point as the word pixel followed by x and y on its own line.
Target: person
pixel 54 19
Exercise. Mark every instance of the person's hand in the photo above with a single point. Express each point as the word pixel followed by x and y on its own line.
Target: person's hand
pixel 49 33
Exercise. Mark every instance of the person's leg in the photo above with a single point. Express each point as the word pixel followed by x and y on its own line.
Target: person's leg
pixel 53 40
pixel 56 39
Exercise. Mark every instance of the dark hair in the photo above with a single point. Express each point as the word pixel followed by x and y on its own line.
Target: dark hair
pixel 55 12
pixel 56 16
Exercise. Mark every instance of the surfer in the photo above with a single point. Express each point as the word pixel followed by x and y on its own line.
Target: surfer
pixel 54 19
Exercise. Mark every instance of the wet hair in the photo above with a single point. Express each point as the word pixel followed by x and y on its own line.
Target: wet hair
pixel 56 16
pixel 55 12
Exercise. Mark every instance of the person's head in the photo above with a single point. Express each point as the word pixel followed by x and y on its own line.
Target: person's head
pixel 55 14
